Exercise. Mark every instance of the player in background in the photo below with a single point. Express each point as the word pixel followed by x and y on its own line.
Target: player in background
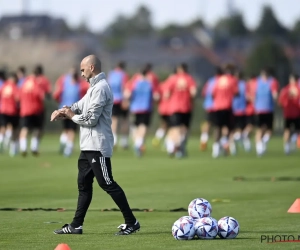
pixel 289 100
pixel 32 95
pixel 181 90
pixel 9 98
pixel 163 110
pixel 21 73
pixel 208 107
pixel 152 77
pixel 266 92
pixel 250 112
pixel 139 93
pixel 225 89
pixel 45 86
pixel 2 127
pixel 69 88
pixel 239 105
pixel 117 78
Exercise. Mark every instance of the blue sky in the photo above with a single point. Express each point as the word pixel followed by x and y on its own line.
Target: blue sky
pixel 99 13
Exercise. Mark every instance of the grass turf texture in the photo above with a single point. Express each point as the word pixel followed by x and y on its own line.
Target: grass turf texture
pixel 154 181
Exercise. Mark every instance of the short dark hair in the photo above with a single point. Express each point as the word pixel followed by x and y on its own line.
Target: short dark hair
pixel 148 66
pixel 229 68
pixel 184 67
pixel 38 70
pixel 14 76
pixel 218 71
pixel 122 64
pixel 3 75
pixel 22 69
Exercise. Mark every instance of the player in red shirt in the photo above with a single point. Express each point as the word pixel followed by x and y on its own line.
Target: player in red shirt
pixel 32 95
pixel 154 80
pixel 163 110
pixel 289 100
pixel 223 93
pixel 181 89
pixel 9 98
pixel 2 127
pixel 69 88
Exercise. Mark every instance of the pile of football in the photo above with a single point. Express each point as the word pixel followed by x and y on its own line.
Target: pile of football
pixel 199 224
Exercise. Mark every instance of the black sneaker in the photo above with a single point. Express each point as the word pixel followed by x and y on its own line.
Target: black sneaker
pixel 128 229
pixel 68 229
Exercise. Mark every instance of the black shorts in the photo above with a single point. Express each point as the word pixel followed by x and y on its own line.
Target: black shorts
pixel 118 111
pixel 33 121
pixel 292 123
pixel 1 120
pixel 179 119
pixel 265 120
pixel 239 121
pixel 210 116
pixel 9 119
pixel 165 118
pixel 223 118
pixel 143 118
pixel 69 124
pixel 250 119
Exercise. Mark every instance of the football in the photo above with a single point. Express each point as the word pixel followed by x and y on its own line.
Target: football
pixel 206 228
pixel 183 228
pixel 199 208
pixel 228 228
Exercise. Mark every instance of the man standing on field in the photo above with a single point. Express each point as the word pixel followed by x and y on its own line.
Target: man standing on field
pixel 93 113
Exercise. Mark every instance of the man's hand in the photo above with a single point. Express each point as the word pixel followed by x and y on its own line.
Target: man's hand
pixel 57 115
pixel 66 111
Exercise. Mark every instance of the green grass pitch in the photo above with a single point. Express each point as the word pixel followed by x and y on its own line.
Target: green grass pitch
pixel 156 182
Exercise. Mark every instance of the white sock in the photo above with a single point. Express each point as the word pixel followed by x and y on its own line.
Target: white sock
pixel 138 142
pixel 63 138
pixel 287 148
pixel 259 148
pixel 34 144
pixel 8 135
pixel 23 144
pixel 13 148
pixel 266 138
pixel 232 148
pixel 237 136
pixel 124 141
pixel 170 146
pixel 115 139
pixel 160 133
pixel 247 144
pixel 69 148
pixel 215 150
pixel 204 137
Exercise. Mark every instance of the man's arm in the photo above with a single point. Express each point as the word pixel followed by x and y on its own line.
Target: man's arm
pixel 95 107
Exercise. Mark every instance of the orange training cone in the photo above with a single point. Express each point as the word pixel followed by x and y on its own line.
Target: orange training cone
pixel 62 247
pixel 295 208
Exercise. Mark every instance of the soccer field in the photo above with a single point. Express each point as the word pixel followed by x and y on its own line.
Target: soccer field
pixel 155 182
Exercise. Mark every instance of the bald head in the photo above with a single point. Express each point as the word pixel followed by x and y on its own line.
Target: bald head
pixel 90 66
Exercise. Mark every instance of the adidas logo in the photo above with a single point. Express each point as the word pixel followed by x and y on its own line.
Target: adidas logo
pixel 93 161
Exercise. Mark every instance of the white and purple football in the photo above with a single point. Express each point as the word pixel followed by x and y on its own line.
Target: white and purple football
pixel 183 228
pixel 228 228
pixel 206 228
pixel 199 208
